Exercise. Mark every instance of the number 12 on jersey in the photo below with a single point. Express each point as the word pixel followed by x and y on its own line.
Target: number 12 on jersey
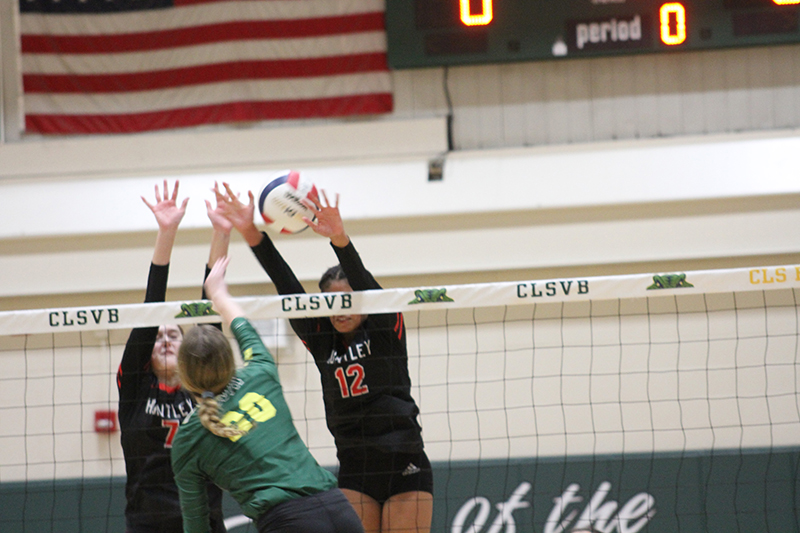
pixel 352 388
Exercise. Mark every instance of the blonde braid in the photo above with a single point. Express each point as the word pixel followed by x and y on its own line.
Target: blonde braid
pixel 208 411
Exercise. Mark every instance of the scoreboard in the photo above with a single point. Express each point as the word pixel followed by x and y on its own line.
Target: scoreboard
pixel 426 33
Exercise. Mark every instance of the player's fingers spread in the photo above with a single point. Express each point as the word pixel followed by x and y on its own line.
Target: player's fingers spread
pixel 325 197
pixel 228 190
pixel 314 199
pixel 223 197
pixel 175 190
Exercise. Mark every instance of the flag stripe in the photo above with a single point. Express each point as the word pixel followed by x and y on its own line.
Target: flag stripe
pixel 213 114
pixel 281 89
pixel 213 33
pixel 214 12
pixel 285 49
pixel 240 70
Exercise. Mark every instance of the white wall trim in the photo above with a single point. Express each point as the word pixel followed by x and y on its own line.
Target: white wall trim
pixel 221 149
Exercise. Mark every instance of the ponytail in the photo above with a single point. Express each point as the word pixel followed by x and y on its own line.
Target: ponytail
pixel 208 411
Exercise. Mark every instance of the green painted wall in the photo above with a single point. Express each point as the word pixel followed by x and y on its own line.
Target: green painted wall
pixel 754 492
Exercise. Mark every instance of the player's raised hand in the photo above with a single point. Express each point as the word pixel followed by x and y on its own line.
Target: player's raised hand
pixel 215 283
pixel 328 221
pixel 238 213
pixel 166 209
pixel 217 215
pixel 232 208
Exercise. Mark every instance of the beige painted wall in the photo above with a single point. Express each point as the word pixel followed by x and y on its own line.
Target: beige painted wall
pixel 592 209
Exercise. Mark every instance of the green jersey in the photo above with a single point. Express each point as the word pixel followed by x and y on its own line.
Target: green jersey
pixel 269 465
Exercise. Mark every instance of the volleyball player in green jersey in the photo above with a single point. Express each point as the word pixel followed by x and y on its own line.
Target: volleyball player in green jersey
pixel 242 437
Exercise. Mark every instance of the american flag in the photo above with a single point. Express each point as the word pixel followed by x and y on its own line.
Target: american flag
pixel 120 66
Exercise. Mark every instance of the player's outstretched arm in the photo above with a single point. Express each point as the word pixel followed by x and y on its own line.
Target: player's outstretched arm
pixel 217 289
pixel 136 359
pixel 221 236
pixel 168 216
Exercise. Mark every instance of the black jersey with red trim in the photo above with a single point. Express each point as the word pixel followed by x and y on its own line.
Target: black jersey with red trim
pixel 365 383
pixel 149 416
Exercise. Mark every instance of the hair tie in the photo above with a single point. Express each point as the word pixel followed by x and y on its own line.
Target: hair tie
pixel 207 394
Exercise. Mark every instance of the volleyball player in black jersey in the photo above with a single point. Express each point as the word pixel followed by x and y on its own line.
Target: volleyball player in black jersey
pixel 363 365
pixel 151 400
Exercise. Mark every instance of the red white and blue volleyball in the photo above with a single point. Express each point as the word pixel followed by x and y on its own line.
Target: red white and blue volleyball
pixel 280 202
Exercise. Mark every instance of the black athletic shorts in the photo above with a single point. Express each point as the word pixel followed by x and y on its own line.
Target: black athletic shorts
pixel 324 512
pixel 381 475
pixel 171 524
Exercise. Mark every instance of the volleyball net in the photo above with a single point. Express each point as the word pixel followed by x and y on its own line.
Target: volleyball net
pixel 656 403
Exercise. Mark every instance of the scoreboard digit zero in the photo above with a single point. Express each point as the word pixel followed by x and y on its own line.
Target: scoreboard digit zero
pixel 426 33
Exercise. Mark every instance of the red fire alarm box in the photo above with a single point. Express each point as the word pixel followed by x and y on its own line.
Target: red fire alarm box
pixel 105 421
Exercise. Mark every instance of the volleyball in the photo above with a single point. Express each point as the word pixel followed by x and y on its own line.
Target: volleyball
pixel 280 202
